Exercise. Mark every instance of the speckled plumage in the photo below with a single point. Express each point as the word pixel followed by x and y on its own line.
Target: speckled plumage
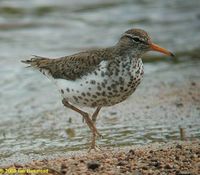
pixel 99 77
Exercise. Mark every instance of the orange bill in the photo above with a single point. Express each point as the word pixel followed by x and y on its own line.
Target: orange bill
pixel 157 48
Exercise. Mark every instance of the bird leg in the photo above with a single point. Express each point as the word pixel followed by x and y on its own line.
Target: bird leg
pixel 85 116
pixel 94 117
pixel 95 114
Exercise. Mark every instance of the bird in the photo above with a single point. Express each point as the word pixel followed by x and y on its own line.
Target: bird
pixel 99 77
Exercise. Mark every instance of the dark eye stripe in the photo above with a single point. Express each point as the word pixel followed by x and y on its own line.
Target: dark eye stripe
pixel 136 39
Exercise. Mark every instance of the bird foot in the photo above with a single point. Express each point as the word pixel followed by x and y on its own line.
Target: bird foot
pixel 96 148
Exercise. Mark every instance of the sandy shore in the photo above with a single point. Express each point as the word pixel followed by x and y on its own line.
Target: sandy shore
pixel 179 158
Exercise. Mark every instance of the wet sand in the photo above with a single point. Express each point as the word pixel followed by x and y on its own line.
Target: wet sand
pixel 180 158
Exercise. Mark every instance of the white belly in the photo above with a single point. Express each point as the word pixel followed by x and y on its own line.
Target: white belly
pixel 86 90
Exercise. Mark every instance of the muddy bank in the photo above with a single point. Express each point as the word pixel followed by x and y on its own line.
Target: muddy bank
pixel 180 158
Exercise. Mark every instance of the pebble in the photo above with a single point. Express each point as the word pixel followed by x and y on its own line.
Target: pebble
pixel 93 165
pixel 122 163
pixel 131 151
pixel 63 168
pixel 179 146
pixel 155 164
pixel 184 173
pixel 168 166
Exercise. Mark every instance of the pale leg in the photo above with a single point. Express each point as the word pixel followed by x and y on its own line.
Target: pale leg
pixel 85 116
pixel 94 117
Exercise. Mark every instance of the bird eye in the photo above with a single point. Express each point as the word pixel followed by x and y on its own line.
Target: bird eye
pixel 136 39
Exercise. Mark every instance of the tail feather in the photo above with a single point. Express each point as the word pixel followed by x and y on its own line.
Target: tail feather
pixel 42 64
pixel 37 62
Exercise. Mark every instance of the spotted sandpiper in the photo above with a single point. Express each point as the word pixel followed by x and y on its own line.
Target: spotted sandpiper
pixel 99 77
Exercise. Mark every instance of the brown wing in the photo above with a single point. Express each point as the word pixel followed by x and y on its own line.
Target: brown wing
pixel 70 67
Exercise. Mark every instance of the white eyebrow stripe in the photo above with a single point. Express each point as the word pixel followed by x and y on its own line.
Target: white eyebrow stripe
pixel 126 34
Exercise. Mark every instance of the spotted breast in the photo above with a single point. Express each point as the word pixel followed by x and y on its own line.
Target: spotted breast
pixel 110 83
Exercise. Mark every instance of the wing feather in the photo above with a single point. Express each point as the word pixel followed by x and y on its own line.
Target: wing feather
pixel 69 67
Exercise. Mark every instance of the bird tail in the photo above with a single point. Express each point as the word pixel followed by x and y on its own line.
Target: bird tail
pixel 40 63
pixel 37 62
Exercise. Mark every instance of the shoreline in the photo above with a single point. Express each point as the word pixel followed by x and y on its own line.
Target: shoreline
pixel 177 157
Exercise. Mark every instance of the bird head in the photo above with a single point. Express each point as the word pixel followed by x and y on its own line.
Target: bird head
pixel 139 42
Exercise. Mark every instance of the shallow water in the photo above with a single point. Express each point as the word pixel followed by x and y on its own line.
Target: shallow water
pixel 33 120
